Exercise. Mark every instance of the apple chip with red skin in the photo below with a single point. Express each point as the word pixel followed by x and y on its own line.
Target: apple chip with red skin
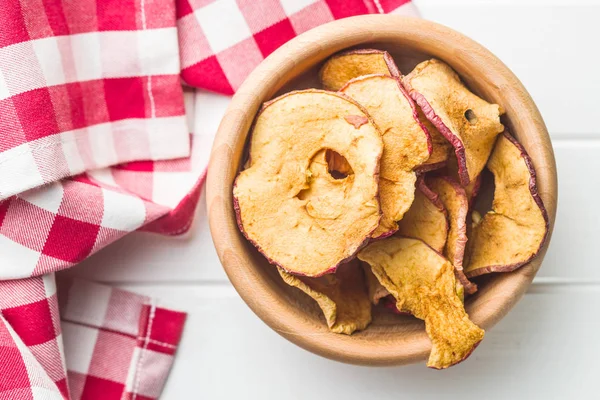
pixel 342 296
pixel 426 219
pixel 455 201
pixel 287 202
pixel 342 67
pixel 469 123
pixel 406 145
pixel 472 188
pixel 378 293
pixel 423 283
pixel 513 232
pixel 441 147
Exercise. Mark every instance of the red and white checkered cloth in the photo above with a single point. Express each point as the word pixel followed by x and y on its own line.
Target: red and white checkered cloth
pixel 108 343
pixel 95 143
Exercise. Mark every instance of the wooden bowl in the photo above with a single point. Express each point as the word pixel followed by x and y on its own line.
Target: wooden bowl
pixel 390 339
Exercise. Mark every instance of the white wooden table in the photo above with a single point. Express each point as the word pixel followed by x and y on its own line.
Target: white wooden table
pixel 547 347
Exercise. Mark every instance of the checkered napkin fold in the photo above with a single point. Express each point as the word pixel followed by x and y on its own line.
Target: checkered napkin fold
pixel 95 142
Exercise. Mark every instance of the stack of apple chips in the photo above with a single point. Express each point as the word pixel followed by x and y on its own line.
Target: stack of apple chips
pixel 363 193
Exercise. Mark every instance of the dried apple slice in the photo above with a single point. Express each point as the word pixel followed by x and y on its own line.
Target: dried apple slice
pixel 406 144
pixel 288 204
pixel 468 122
pixel 342 296
pixel 389 301
pixel 472 188
pixel 423 283
pixel 512 233
pixel 441 148
pixel 342 67
pixel 455 201
pixel 426 219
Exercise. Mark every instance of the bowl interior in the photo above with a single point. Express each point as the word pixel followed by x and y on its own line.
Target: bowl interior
pixel 384 322
pixel 390 339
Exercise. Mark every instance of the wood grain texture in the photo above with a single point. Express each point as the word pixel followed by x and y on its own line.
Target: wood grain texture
pixel 409 40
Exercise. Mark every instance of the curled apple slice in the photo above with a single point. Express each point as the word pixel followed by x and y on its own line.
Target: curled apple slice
pixel 426 219
pixel 342 296
pixel 287 201
pixel 441 148
pixel 342 67
pixel 422 282
pixel 468 122
pixel 472 188
pixel 455 201
pixel 512 233
pixel 406 145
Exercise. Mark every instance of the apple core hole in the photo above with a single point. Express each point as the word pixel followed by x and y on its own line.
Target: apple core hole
pixel 470 116
pixel 337 165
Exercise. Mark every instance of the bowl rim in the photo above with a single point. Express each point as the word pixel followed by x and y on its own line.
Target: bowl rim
pixel 289 61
